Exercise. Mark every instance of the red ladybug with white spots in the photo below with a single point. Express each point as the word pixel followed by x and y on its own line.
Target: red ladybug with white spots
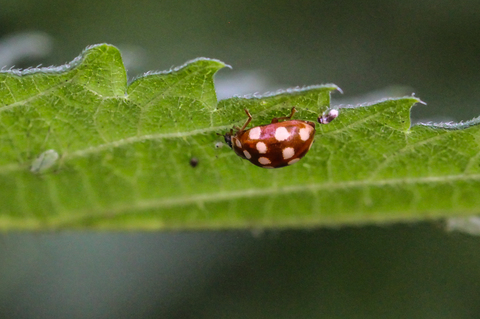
pixel 274 145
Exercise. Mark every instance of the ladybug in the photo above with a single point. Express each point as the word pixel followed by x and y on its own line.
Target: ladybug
pixel 274 145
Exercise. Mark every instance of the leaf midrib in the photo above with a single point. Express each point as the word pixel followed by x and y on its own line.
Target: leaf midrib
pixel 119 143
pixel 216 196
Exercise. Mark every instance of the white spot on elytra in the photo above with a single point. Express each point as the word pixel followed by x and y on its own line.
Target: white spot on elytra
pixel 237 142
pixel 293 161
pixel 261 147
pixel 288 152
pixel 247 154
pixel 264 161
pixel 281 134
pixel 304 134
pixel 254 133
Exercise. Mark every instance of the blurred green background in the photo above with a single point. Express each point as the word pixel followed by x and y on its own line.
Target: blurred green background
pixel 371 49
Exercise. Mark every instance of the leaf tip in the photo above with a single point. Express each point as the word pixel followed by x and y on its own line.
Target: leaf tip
pixel 417 100
pixel 337 88
pixel 213 63
pixel 101 46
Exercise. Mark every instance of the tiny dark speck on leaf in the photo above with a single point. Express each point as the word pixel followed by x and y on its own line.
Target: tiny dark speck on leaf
pixel 193 162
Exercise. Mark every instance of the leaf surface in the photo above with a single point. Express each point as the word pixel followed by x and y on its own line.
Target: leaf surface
pixel 83 149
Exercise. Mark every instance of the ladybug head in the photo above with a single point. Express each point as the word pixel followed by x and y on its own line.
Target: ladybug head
pixel 228 138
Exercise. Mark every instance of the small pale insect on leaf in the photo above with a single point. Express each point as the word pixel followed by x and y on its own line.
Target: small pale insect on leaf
pixel 44 161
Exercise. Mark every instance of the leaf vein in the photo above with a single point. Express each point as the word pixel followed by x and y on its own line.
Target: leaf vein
pixel 39 94
pixel 201 199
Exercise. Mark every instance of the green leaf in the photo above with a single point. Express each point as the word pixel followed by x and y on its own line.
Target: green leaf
pixel 81 148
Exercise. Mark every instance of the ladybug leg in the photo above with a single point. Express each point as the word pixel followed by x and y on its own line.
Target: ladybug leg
pixel 276 119
pixel 247 122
